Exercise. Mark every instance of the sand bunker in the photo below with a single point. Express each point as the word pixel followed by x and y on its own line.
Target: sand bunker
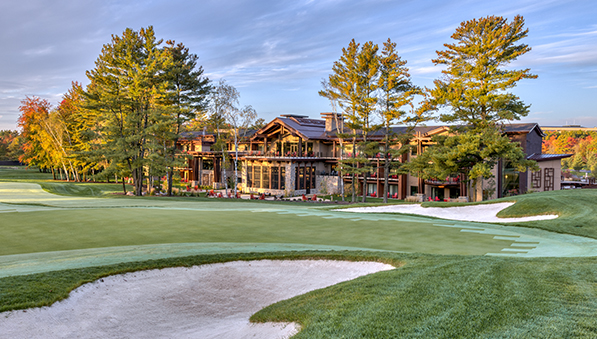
pixel 478 213
pixel 209 301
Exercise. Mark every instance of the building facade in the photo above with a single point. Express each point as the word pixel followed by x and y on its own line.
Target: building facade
pixel 294 155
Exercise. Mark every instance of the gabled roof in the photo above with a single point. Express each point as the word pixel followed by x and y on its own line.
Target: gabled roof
pixel 523 128
pixel 296 125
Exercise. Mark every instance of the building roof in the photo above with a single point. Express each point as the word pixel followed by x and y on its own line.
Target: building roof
pixel 546 157
pixel 525 128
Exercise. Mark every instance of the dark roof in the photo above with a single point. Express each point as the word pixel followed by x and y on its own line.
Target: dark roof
pixel 523 128
pixel 545 157
pixel 307 128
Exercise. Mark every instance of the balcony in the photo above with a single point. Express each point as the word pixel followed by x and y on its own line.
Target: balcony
pixel 287 155
pixel 447 181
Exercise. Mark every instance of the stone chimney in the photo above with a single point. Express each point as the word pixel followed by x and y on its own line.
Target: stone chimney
pixel 331 119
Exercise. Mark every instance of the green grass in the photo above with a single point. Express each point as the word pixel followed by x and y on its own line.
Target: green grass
pixel 428 296
pixel 10 173
pixel 58 230
pixel 452 297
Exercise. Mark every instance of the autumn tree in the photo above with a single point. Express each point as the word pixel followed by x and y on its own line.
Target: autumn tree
pixel 7 138
pixel 474 89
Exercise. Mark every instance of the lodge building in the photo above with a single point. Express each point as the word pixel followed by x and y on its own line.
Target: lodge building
pixel 294 155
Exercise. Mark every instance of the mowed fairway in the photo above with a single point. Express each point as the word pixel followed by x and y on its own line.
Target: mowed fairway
pixel 36 221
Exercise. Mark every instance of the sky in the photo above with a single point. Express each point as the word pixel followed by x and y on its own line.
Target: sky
pixel 277 52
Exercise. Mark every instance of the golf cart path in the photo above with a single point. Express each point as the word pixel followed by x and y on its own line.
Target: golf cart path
pixel 207 301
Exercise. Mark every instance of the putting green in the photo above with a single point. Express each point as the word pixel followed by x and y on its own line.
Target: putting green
pixel 67 232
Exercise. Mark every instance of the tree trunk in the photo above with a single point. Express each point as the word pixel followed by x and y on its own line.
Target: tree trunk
pixel 386 176
pixel 123 187
pixel 354 183
pixel 170 174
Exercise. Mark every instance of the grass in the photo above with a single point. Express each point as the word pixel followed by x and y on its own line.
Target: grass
pixel 452 297
pixel 428 296
pixel 103 227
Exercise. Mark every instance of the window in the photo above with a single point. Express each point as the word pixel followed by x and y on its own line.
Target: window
pixel 208 164
pixel 275 173
pixel 414 190
pixel 264 177
pixel 257 176
pixel 300 174
pixel 249 176
pixel 549 179
pixel 511 183
pixel 282 177
pixel 536 179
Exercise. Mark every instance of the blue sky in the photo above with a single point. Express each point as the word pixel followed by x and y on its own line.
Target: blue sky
pixel 277 52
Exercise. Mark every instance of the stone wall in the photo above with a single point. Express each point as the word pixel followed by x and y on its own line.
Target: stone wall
pixel 327 184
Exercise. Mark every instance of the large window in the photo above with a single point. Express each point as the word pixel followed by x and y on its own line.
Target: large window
pixel 282 177
pixel 249 176
pixel 265 177
pixel 275 178
pixel 511 183
pixel 208 164
pixel 257 177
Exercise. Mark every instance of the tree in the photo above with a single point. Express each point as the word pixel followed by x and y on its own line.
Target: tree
pixel 352 85
pixel 395 91
pixel 475 88
pixel 223 101
pixel 127 92
pixel 44 136
pixel 258 124
pixel 7 138
pixel 239 121
pixel 188 91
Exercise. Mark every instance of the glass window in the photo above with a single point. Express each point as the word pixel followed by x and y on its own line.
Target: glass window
pixel 208 164
pixel 275 173
pixel 282 177
pixel 301 174
pixel 265 177
pixel 414 190
pixel 249 176
pixel 511 184
pixel 257 176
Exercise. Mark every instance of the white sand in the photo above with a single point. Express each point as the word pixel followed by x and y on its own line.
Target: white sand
pixel 209 301
pixel 478 213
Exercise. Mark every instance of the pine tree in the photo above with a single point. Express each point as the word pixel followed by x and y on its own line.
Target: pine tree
pixel 187 95
pixel 475 89
pixel 395 91
pixel 352 85
pixel 127 93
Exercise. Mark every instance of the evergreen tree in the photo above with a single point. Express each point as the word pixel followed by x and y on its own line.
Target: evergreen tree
pixel 188 93
pixel 352 85
pixel 128 94
pixel 395 91
pixel 475 89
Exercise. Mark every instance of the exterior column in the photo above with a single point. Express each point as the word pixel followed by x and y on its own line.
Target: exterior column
pixel 300 147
